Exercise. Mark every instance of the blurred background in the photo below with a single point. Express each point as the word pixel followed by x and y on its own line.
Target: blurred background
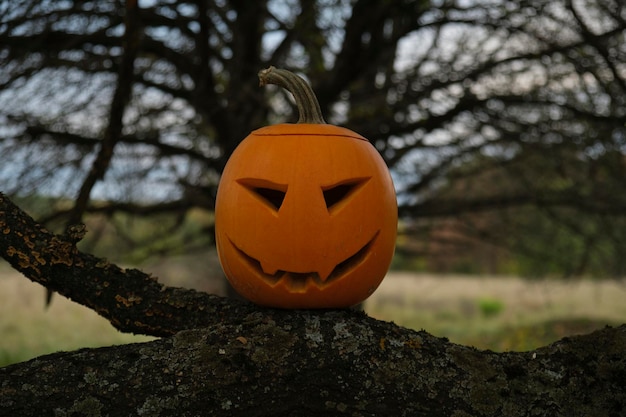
pixel 503 123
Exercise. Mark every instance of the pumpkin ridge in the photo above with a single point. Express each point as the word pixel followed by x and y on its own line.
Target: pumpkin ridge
pixel 312 134
pixel 306 129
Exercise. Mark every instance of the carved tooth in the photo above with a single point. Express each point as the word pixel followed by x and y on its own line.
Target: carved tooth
pixel 269 268
pixel 324 273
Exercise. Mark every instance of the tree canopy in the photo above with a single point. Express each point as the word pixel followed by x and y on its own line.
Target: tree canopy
pixel 512 104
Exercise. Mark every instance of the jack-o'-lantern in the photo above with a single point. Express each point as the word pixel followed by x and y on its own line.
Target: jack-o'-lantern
pixel 306 213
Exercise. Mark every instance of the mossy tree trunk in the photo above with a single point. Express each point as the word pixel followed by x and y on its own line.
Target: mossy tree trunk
pixel 223 357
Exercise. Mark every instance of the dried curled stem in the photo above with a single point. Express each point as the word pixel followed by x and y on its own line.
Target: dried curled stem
pixel 308 106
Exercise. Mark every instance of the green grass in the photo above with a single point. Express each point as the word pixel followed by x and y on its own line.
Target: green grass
pixel 529 337
pixel 498 313
pixel 28 329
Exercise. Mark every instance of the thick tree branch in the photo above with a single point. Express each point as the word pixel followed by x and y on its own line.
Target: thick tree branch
pixel 134 302
pixel 256 362
pixel 299 363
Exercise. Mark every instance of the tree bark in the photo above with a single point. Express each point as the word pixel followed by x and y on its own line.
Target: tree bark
pixel 224 357
pixel 306 363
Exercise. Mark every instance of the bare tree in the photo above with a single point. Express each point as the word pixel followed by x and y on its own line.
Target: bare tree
pixel 138 106
pixel 142 116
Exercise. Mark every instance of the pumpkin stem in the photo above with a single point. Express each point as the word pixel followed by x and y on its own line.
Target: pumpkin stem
pixel 308 106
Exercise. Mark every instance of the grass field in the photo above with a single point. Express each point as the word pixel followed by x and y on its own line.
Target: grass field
pixel 28 329
pixel 498 313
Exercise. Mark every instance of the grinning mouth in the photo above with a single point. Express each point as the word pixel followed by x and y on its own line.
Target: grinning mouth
pixel 300 280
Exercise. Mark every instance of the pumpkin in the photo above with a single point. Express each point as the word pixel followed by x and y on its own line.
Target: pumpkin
pixel 306 213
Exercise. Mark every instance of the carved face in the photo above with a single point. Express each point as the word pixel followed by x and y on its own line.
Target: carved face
pixel 305 217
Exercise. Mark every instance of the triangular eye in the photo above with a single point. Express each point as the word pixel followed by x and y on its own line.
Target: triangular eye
pixel 334 194
pixel 268 192
pixel 273 197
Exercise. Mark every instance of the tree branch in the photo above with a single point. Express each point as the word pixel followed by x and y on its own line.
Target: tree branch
pixel 305 363
pixel 134 302
pixel 254 362
pixel 118 106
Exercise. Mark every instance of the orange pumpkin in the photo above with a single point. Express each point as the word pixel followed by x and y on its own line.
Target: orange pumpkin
pixel 306 213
